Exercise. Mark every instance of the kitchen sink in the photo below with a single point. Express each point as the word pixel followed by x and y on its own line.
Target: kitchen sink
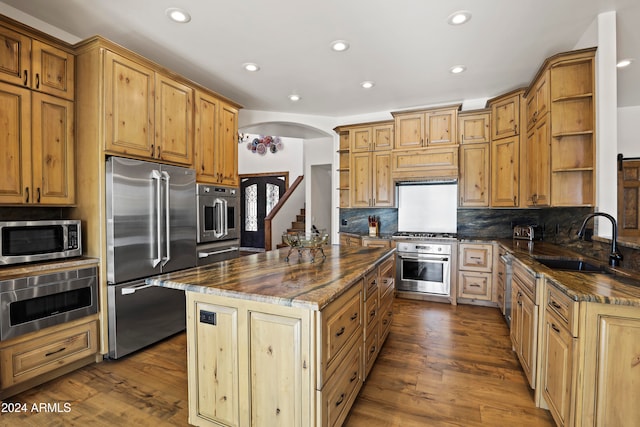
pixel 572 265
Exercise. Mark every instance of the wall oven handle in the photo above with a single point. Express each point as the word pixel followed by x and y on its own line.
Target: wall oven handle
pixel 424 258
pixel 206 254
pixel 155 176
pixel 132 289
pixel 167 219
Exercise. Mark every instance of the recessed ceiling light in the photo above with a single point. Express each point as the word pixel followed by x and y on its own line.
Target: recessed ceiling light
pixel 294 97
pixel 250 66
pixel 459 17
pixel 178 15
pixel 624 63
pixel 457 69
pixel 367 84
pixel 339 45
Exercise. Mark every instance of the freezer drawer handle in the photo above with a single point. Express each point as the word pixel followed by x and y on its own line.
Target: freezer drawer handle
pixel 206 254
pixel 132 289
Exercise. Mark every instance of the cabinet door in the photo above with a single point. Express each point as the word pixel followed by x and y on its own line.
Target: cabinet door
pixel 215 383
pixel 15 59
pixel 383 137
pixel 173 120
pixel 206 132
pixel 227 148
pixel 276 361
pixel 506 117
pixel 474 285
pixel 129 107
pixel 539 164
pixel 53 150
pixel 516 317
pixel 360 139
pixel 474 175
pixel 505 172
pixel 53 70
pixel 557 357
pixel 529 342
pixel 382 183
pixel 474 128
pixel 360 180
pixel 441 128
pixel 15 144
pixel 409 129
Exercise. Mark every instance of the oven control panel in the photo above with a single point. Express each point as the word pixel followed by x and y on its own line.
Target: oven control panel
pixel 424 248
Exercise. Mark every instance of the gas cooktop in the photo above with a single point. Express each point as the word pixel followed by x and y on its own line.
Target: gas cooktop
pixel 414 235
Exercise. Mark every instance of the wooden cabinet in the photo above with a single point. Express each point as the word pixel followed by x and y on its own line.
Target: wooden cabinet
pixel 501 279
pixel 227 147
pixel 34 358
pixel 374 242
pixel 32 63
pixel 350 240
pixel 524 320
pixel 573 129
pixel 505 172
pixel 207 132
pixel 473 185
pixel 559 340
pixel 537 99
pixel 375 137
pixel 148 115
pixel 426 128
pixel 344 180
pixel 538 164
pixel 424 163
pixel 371 183
pixel 475 272
pixel 474 127
pixel 38 148
pixel 506 151
pixel 505 116
pixel 372 320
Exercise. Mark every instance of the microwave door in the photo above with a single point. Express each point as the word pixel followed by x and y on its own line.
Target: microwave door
pixel 179 218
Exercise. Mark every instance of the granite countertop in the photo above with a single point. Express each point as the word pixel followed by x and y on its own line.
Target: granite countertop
pixel 620 286
pixel 267 277
pixel 34 269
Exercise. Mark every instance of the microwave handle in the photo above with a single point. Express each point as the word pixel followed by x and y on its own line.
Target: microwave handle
pixel 167 217
pixel 156 177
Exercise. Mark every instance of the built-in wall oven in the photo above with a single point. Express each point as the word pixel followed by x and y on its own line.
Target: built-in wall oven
pixel 218 220
pixel 424 267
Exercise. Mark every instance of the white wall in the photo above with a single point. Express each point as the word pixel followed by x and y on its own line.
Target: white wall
pixel 290 159
pixel 318 155
pixel 628 143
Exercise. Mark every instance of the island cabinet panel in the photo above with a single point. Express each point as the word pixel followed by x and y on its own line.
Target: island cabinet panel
pixel 217 377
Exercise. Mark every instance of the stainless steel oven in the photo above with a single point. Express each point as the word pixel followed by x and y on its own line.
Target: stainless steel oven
pixel 424 267
pixel 218 214
pixel 29 304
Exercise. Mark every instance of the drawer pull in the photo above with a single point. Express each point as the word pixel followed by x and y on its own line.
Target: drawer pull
pixel 475 285
pixel 372 313
pixel 354 316
pixel 340 332
pixel 475 257
pixel 55 352
pixel 340 400
pixel 353 378
pixel 555 328
pixel 385 321
pixel 373 349
pixel 555 304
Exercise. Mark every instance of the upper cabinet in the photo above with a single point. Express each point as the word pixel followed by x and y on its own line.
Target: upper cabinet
pixel 505 114
pixel 537 168
pixel 374 137
pixel 474 134
pixel 227 148
pixel 426 128
pixel 36 104
pixel 32 63
pixel 147 114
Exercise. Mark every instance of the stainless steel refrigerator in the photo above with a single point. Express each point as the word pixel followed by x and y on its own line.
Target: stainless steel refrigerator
pixel 151 229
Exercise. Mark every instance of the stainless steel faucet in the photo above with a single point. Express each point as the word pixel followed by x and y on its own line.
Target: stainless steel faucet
pixel 615 256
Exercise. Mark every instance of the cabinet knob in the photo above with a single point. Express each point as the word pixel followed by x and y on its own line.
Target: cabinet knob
pixel 38 199
pixel 37 80
pixel 26 77
pixel 26 190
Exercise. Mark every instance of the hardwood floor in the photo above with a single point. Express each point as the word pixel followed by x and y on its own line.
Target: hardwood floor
pixel 441 366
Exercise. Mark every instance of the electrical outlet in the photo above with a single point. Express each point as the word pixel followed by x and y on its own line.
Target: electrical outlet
pixel 344 222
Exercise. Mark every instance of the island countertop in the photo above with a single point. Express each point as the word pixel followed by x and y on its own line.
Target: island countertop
pixel 267 277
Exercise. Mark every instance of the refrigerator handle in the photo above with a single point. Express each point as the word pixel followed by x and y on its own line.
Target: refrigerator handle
pixel 167 218
pixel 155 176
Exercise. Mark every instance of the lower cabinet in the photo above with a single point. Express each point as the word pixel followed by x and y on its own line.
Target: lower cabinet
pixel 475 273
pixel 350 240
pixel 35 358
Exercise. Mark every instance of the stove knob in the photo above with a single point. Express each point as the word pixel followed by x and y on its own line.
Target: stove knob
pixel 439 249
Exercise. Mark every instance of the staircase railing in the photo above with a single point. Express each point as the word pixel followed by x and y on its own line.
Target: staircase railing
pixel 279 219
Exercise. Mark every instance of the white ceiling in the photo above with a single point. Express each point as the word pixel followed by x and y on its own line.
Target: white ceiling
pixel 405 46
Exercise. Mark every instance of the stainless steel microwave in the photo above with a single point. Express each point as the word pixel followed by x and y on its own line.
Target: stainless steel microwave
pixel 32 241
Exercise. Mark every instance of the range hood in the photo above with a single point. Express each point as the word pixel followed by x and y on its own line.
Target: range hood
pixel 427 206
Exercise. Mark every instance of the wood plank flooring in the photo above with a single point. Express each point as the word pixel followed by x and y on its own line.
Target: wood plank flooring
pixel 441 366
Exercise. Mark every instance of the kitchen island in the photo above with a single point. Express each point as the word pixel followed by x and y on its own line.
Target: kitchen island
pixel 280 343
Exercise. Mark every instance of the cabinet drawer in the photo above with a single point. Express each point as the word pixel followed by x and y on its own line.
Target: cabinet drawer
pixel 371 313
pixel 343 320
pixel 386 318
pixel 32 358
pixel 562 305
pixel 476 285
pixel 526 280
pixel 371 284
pixel 387 285
pixel 476 257
pixel 371 349
pixel 342 389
